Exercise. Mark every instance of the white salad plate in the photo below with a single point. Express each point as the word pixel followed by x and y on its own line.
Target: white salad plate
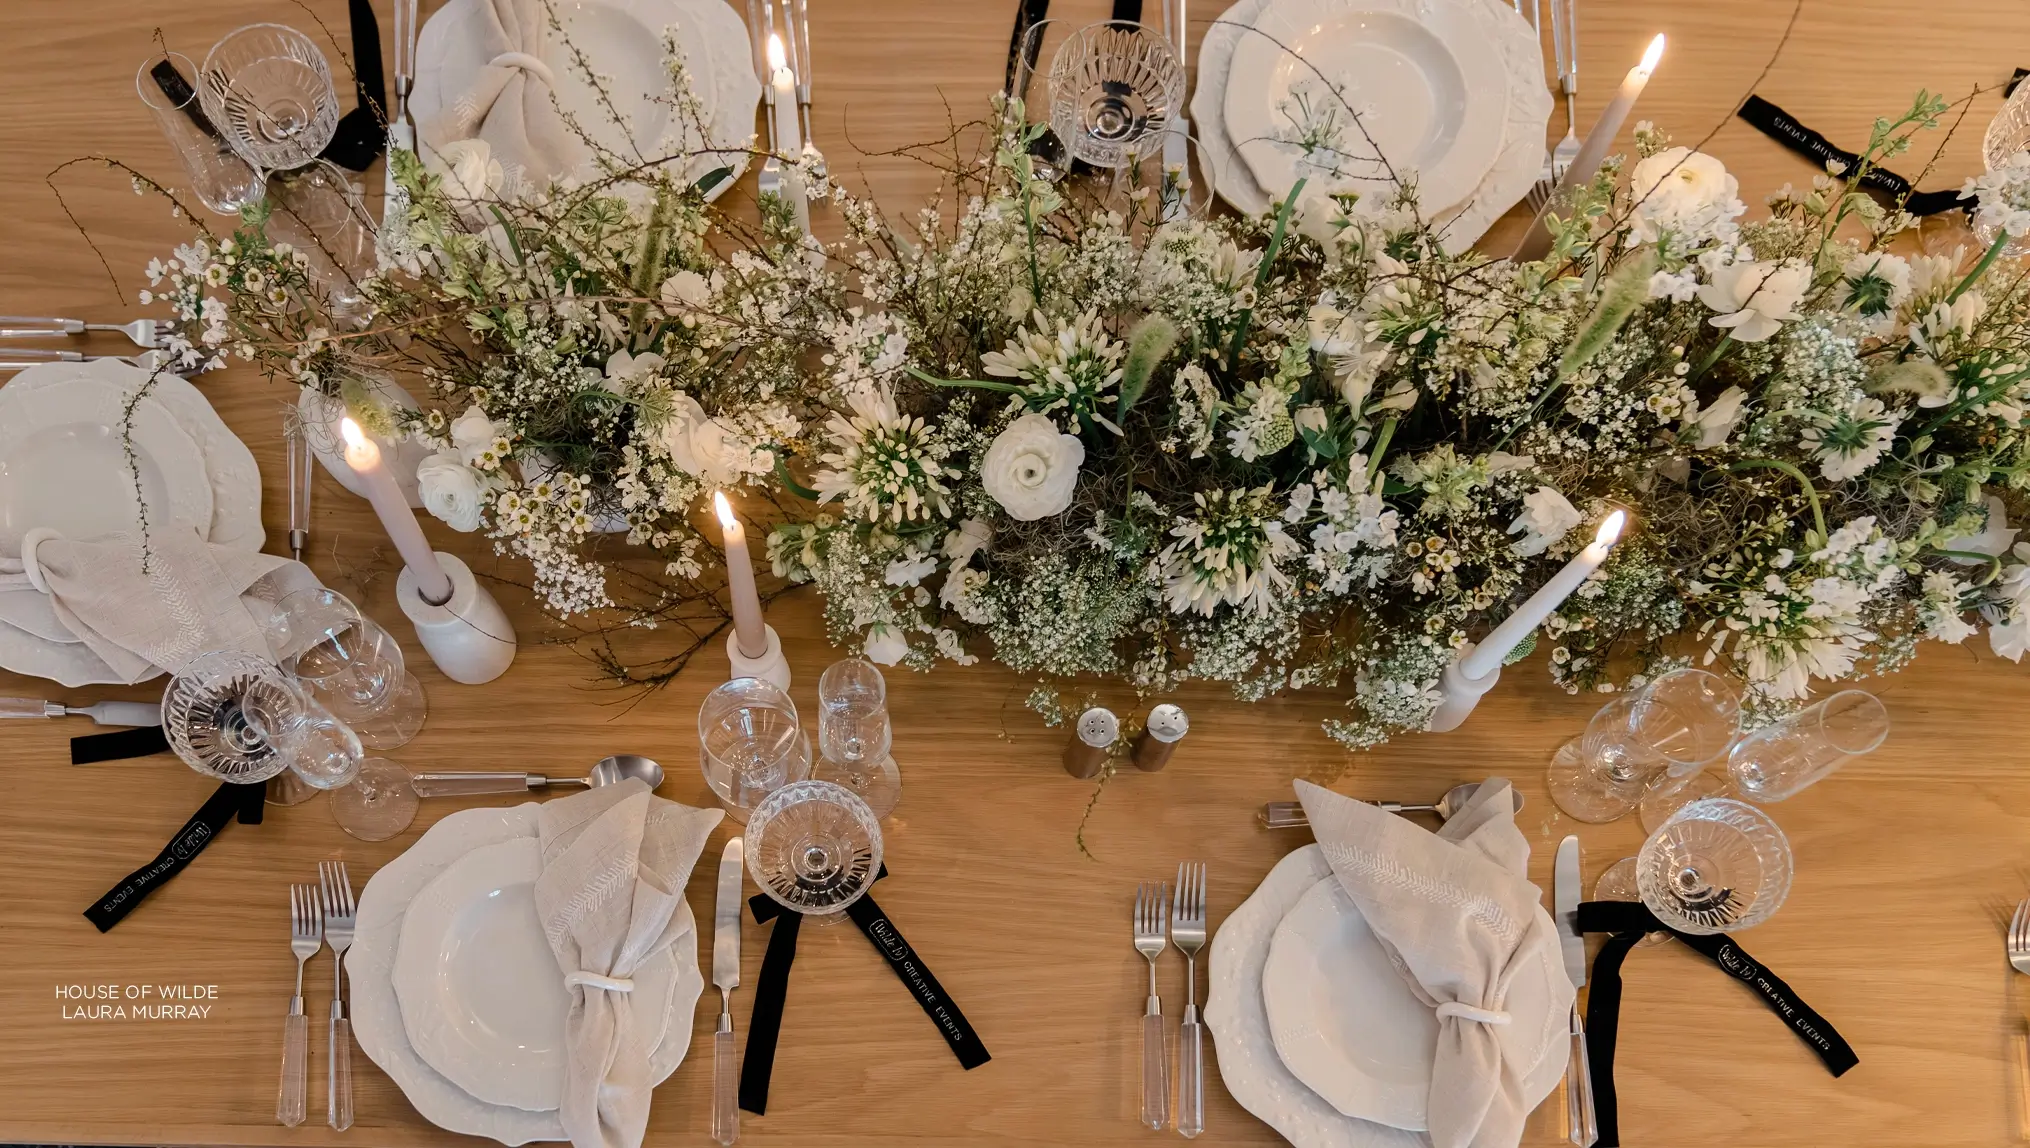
pixel 1239 1021
pixel 482 998
pixel 1344 1021
pixel 1400 88
pixel 377 1011
pixel 623 42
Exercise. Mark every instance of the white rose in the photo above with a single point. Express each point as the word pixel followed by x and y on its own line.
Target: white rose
pixel 885 644
pixel 622 369
pixel 451 490
pixel 1717 420
pixel 1547 516
pixel 469 171
pixel 472 433
pixel 1756 299
pixel 1032 468
pixel 971 537
pixel 1683 191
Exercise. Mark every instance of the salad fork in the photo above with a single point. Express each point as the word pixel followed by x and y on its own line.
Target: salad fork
pixel 1151 902
pixel 306 936
pixel 1187 929
pixel 141 332
pixel 2018 945
pixel 339 908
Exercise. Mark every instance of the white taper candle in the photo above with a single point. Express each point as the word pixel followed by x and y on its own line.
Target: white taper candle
pixel 1487 656
pixel 363 455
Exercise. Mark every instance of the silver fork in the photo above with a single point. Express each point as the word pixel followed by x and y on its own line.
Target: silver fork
pixel 1151 903
pixel 142 332
pixel 2019 938
pixel 338 927
pixel 2018 948
pixel 1555 162
pixel 306 933
pixel 22 358
pixel 1187 929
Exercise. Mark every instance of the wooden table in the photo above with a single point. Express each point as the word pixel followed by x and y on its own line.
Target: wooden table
pixel 1907 861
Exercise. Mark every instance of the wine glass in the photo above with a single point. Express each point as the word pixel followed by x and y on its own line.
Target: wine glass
pixel 219 177
pixel 1781 759
pixel 814 847
pixel 1113 88
pixel 353 665
pixel 227 715
pixel 268 90
pixel 380 802
pixel 1717 866
pixel 1676 724
pixel 854 734
pixel 318 211
pixel 750 743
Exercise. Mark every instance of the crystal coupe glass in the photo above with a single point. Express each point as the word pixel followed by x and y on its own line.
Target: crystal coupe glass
pixel 814 847
pixel 1113 88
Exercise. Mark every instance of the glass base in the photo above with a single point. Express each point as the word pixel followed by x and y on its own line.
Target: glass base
pixel 1618 884
pixel 398 720
pixel 880 786
pixel 1577 790
pixel 380 803
pixel 1659 804
pixel 285 788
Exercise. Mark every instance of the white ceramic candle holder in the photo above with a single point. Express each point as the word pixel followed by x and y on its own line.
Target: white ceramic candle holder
pixel 770 667
pixel 469 637
pixel 1460 694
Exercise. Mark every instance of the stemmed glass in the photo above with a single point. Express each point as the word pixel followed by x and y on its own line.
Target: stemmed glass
pixel 228 715
pixel 1674 725
pixel 353 665
pixel 815 848
pixel 1113 88
pixel 218 176
pixel 1781 760
pixel 854 734
pixel 268 90
pixel 317 210
pixel 1718 865
pixel 750 743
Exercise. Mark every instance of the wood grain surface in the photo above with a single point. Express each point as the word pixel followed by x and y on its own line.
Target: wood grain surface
pixel 1907 861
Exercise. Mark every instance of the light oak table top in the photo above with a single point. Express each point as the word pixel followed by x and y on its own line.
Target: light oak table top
pixel 1907 861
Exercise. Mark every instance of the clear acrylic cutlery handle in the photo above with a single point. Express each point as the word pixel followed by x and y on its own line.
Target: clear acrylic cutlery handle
pixel 1155 1070
pixel 289 1103
pixel 341 1074
pixel 725 1113
pixel 1584 1123
pixel 1190 1074
pixel 463 784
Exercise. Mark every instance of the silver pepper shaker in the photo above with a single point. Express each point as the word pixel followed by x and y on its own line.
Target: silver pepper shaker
pixel 1091 736
pixel 1166 727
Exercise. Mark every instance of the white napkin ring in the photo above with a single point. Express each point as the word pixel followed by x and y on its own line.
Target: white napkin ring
pixel 1469 1012
pixel 29 565
pixel 526 63
pixel 610 984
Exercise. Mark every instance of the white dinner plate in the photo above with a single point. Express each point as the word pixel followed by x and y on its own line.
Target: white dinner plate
pixel 623 41
pixel 377 1012
pixel 1343 1020
pixel 482 997
pixel 1239 1022
pixel 1422 76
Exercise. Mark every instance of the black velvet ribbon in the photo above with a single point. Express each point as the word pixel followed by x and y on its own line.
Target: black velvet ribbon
pixel 228 801
pixel 1780 126
pixel 1627 922
pixel 363 131
pixel 1029 15
pixel 764 1024
pixel 141 741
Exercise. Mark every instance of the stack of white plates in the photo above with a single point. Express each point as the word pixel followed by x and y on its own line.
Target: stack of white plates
pixel 1318 1033
pixel 455 992
pixel 64 433
pixel 1452 90
pixel 622 40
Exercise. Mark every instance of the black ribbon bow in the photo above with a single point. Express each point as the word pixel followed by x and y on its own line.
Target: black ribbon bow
pixel 1780 126
pixel 228 801
pixel 363 131
pixel 764 1024
pixel 1628 921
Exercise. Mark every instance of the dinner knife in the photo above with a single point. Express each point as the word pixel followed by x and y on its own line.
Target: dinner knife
pixel 1580 1120
pixel 726 975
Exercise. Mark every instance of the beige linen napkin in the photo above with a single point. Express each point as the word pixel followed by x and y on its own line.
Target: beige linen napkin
pixel 615 863
pixel 508 102
pixel 1464 927
pixel 141 617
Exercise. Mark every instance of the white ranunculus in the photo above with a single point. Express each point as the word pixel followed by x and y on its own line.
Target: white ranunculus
pixel 1717 419
pixel 623 368
pixel 1547 516
pixel 1994 540
pixel 1682 191
pixel 971 537
pixel 885 644
pixel 709 449
pixel 1032 468
pixel 1756 299
pixel 469 171
pixel 451 490
pixel 472 433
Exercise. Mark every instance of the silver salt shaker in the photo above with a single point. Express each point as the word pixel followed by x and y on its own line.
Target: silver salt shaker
pixel 1091 737
pixel 1166 727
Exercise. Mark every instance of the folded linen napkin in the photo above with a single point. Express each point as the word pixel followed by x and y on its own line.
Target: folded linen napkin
pixel 615 863
pixel 146 609
pixel 508 102
pixel 1465 928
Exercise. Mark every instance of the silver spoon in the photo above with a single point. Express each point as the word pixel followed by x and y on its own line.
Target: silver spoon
pixel 608 771
pixel 1289 814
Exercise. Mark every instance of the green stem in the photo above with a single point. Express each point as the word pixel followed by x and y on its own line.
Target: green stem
pixel 1262 271
pixel 1988 260
pixel 1993 562
pixel 1529 415
pixel 1029 226
pixel 1811 494
pixel 1954 409
pixel 975 384
pixel 1713 356
pixel 791 484
pixel 1381 447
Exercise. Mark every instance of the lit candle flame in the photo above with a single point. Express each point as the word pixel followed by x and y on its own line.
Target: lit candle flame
pixel 351 432
pixel 1651 57
pixel 1610 528
pixel 724 510
pixel 778 60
